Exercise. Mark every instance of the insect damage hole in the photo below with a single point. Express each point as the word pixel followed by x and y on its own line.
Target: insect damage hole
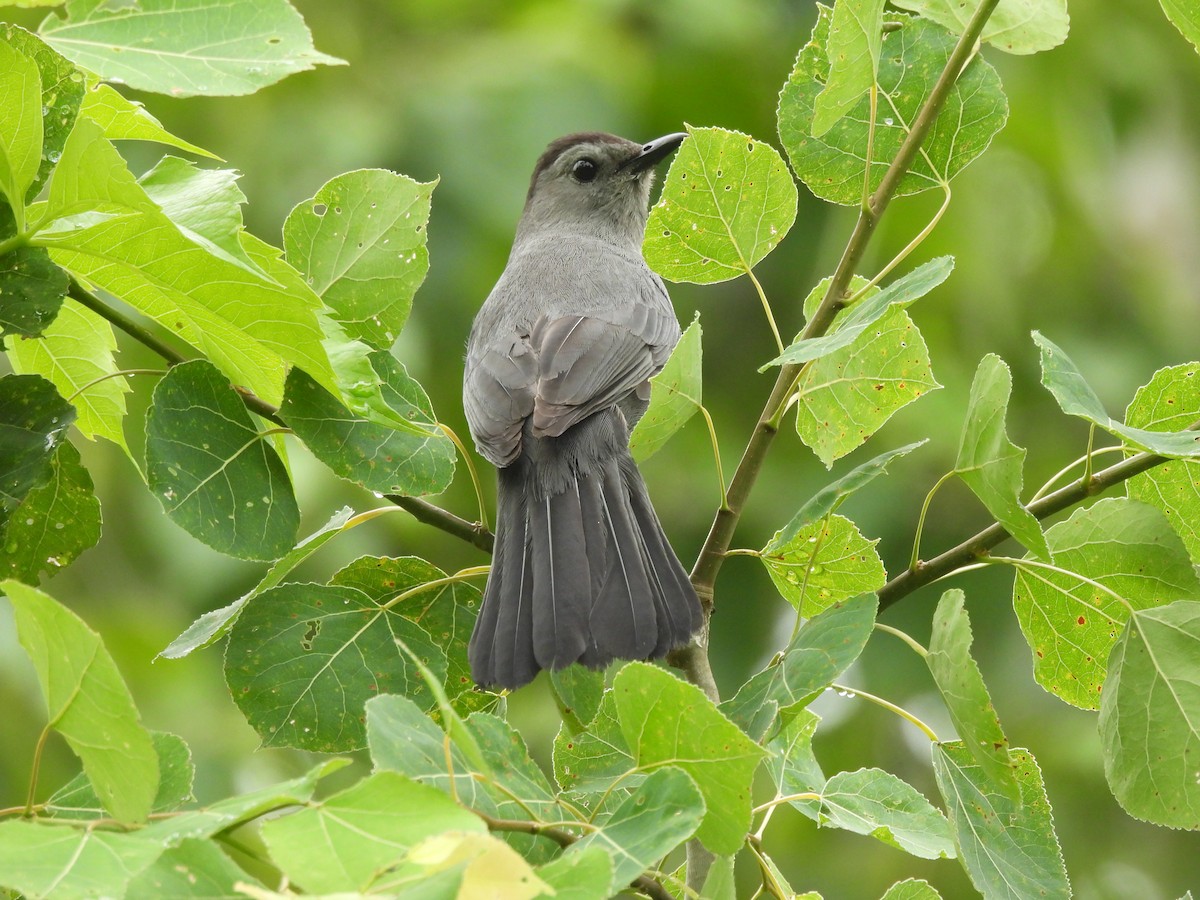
pixel 310 634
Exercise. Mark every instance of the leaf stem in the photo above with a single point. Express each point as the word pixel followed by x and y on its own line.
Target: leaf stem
pixel 1061 473
pixel 915 560
pixel 888 705
pixel 118 374
pixel 77 292
pixel 460 575
pixel 916 645
pixel 35 768
pixel 762 296
pixel 788 798
pixel 808 569
pixel 716 448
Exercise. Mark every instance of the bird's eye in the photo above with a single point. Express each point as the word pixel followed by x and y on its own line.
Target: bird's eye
pixel 585 170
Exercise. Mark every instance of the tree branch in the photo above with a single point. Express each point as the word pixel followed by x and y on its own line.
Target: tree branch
pixel 693 659
pixel 978 546
pixel 421 510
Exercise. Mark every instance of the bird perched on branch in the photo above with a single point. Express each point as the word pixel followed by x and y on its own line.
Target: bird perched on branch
pixel 557 374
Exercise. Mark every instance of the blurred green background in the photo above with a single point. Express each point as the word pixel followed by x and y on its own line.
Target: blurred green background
pixel 1080 221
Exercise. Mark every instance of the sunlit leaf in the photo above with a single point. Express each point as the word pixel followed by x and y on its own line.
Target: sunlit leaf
pixel 823 563
pixel 1170 402
pixel 911 60
pixel 1125 547
pixel 1184 15
pixel 87 702
pixel 1076 398
pixel 361 243
pixel 1016 26
pixel 186 47
pixel 123 119
pixel 966 696
pixel 877 803
pixel 20 124
pixel 1150 716
pixel 855 38
pixel 666 721
pixel 911 889
pixel 480 864
pixel 304 658
pixel 676 395
pixel 991 465
pixel 56 521
pixel 211 470
pixel 39 859
pixel 727 201
pixel 77 798
pixel 75 350
pixel 1009 852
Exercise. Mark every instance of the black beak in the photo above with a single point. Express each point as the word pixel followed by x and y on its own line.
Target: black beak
pixel 653 153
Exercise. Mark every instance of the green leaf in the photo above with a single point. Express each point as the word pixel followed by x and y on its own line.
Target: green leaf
pixel 1170 402
pixel 912 889
pixel 214 474
pixel 75 350
pixel 992 465
pixel 1130 550
pixel 912 59
pixel 122 119
pixel 665 810
pixel 77 798
pixel 1007 852
pixel 446 612
pixel 845 397
pixel 361 243
pixel 822 564
pixel 1184 15
pixel 1150 716
pixel 411 458
pixel 855 39
pixel 719 883
pixel 215 624
pixel 579 691
pixel 967 699
pixel 1016 26
pixel 251 328
pixel 304 658
pixel 666 721
pixel 823 649
pixel 62 91
pixel 31 291
pixel 676 395
pixel 239 809
pixel 830 497
pixel 1076 398
pixel 342 843
pixel 727 201
pixel 868 310
pixel 877 803
pixel 580 875
pixel 39 859
pixel 196 869
pixel 20 125
pixel 588 762
pixel 793 765
pixel 186 47
pixel 58 519
pixel 87 702
pixel 33 421
pixel 204 204
pixel 478 865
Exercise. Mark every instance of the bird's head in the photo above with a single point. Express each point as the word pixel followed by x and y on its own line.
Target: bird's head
pixel 594 183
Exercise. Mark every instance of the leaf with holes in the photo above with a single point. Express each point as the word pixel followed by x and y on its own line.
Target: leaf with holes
pixel 186 47
pixel 669 722
pixel 1016 26
pixel 845 397
pixel 911 60
pixel 1170 402
pixel 727 201
pixel 1122 547
pixel 87 702
pixel 361 243
pixel 676 395
pixel 1150 716
pixel 123 119
pixel 446 612
pixel 411 457
pixel 212 471
pixel 304 658
pixel 992 465
pixel 1007 851
pixel 76 350
pixel 823 563
pixel 55 522
pixel 1076 398
pixel 33 422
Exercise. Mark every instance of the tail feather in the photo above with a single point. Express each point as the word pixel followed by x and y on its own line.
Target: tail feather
pixel 581 571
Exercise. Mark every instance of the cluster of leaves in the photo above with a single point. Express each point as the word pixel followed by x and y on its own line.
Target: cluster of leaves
pixel 299 339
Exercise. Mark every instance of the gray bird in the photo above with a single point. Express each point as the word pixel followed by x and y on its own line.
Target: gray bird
pixel 557 374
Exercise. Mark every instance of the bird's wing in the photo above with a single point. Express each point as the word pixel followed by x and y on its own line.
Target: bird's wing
pixel 498 396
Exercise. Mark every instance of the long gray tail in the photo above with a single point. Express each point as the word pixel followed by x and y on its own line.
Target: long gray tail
pixel 581 570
